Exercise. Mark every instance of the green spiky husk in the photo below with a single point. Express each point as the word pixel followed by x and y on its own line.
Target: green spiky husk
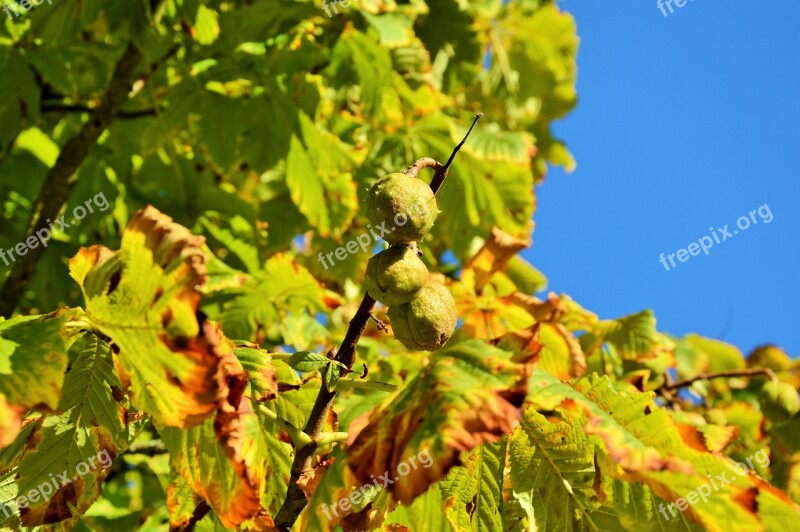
pixel 428 321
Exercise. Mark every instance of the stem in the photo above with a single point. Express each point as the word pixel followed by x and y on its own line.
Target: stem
pixel 83 325
pixel 327 438
pixel 730 373
pixel 296 500
pixel 378 323
pixel 295 497
pixel 461 144
pixel 300 438
pixel 440 169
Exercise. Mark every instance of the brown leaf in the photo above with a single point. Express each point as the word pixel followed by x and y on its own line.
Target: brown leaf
pixel 469 394
pixel 498 249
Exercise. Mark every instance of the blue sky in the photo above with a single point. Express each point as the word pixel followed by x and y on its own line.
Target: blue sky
pixel 684 122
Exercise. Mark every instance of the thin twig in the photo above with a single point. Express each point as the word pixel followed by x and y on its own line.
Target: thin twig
pixel 81 108
pixel 461 144
pixel 722 374
pixel 299 438
pixel 381 326
pixel 295 500
pixel 440 169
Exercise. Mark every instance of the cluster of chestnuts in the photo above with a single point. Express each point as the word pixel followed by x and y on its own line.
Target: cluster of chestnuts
pixel 423 313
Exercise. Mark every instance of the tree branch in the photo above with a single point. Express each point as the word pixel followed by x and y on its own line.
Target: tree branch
pixel 80 108
pixel 731 373
pixel 62 178
pixel 200 511
pixel 295 497
pixel 295 500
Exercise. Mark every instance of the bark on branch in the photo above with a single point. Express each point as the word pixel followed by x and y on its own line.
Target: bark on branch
pixel 61 179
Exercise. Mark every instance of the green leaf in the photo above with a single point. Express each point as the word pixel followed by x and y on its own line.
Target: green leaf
pixel 66 456
pixel 307 362
pixel 251 307
pixel 33 359
pixel 145 298
pixel 552 473
pixel 318 174
pixel 394 29
pixel 207 25
pixel 39 144
pixel 636 440
pixel 472 494
pixel 183 98
pixel 359 62
pixel 220 128
pixel 639 509
pixel 528 279
pixel 425 513
pixel 492 143
pixel 716 356
pixel 302 331
pixel 459 401
pixel 260 372
pixel 182 501
pixel 224 460
pixel 480 195
pixel 234 243
pixel 561 354
pixel 332 375
pixel 633 336
pixel 19 95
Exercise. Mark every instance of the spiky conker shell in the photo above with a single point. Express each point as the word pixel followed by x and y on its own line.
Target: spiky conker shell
pixel 395 275
pixel 405 207
pixel 428 321
pixel 779 401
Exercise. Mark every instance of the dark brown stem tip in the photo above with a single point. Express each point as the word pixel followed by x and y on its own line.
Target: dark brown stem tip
pixel 460 144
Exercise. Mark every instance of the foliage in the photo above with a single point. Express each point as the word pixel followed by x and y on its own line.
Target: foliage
pixel 193 344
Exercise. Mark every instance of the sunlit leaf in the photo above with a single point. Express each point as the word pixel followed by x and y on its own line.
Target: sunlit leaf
pixel 145 298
